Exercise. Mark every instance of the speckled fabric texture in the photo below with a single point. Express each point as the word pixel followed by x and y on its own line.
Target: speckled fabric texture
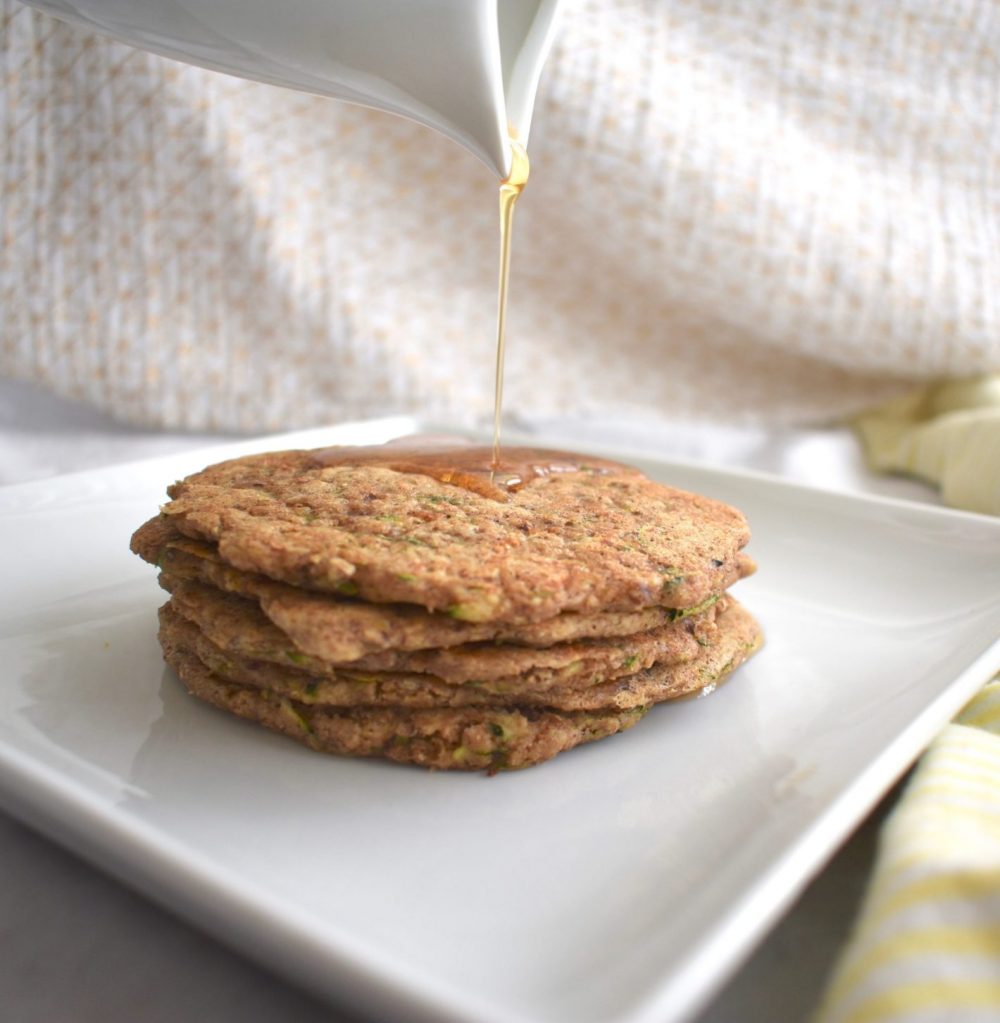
pixel 782 211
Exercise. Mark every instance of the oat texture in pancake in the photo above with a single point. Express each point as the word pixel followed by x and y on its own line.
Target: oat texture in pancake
pixel 471 738
pixel 735 639
pixel 239 626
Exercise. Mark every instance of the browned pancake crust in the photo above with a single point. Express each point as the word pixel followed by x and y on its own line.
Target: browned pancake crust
pixel 471 739
pixel 736 638
pixel 240 628
pixel 340 630
pixel 578 541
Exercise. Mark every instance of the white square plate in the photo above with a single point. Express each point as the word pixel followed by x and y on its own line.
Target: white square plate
pixel 622 881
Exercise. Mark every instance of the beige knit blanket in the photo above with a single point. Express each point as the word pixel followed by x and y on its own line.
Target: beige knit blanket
pixel 742 209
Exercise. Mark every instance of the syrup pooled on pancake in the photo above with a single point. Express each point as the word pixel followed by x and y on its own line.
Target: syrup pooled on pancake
pixel 470 466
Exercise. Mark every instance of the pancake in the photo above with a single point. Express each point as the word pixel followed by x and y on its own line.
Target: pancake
pixel 340 630
pixel 238 627
pixel 471 739
pixel 590 540
pixel 736 638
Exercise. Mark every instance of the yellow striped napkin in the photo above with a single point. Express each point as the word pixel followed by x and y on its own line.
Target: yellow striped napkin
pixel 926 945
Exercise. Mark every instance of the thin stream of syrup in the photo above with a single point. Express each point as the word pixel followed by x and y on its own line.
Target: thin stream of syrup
pixel 510 189
pixel 450 460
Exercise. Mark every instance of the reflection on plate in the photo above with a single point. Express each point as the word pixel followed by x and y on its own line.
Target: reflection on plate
pixel 623 880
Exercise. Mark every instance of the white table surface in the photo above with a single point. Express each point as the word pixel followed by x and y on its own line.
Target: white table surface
pixel 79 947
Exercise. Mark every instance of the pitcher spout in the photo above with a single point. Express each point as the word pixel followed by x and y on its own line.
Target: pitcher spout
pixel 468 68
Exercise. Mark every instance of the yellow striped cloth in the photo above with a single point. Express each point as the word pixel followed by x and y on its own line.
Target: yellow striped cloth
pixel 926 945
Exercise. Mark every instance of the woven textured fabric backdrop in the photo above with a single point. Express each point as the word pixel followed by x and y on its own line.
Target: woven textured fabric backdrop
pixel 739 210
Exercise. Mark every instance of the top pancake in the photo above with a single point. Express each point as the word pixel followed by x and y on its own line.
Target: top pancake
pixel 584 541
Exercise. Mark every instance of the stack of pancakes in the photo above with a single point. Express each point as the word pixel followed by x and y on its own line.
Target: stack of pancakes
pixel 369 610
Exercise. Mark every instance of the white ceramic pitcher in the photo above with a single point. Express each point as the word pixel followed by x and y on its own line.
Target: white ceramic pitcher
pixel 468 68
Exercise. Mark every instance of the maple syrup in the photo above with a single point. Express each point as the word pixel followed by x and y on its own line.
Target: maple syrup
pixel 510 189
pixel 464 464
